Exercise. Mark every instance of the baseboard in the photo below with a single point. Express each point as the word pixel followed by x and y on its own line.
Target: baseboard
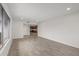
pixel 59 42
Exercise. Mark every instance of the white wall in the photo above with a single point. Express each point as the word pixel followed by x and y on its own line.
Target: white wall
pixel 64 29
pixel 26 29
pixel 19 29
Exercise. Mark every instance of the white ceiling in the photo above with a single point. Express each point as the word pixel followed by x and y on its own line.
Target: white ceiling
pixel 37 12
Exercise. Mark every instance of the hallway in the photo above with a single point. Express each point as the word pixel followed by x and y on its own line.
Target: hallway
pixel 36 46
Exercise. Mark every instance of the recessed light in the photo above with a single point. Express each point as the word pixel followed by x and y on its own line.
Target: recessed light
pixel 68 9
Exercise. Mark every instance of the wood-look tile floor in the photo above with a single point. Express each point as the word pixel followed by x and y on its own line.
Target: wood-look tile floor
pixel 36 46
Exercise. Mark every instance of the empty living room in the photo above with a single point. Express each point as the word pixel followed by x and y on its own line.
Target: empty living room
pixel 39 29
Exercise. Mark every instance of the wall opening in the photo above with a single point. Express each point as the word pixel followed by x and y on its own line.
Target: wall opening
pixel 33 30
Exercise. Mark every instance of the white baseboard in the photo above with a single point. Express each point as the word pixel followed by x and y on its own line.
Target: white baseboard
pixel 60 42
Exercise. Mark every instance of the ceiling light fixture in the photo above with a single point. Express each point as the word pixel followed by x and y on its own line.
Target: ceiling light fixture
pixel 68 9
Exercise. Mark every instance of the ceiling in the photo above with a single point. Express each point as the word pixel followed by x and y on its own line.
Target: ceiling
pixel 37 12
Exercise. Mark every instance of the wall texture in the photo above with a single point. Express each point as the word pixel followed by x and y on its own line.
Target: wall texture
pixel 64 29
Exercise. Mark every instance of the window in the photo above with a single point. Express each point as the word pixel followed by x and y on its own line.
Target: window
pixel 4 26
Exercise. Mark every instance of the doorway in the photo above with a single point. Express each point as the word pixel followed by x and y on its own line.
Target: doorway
pixel 33 30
